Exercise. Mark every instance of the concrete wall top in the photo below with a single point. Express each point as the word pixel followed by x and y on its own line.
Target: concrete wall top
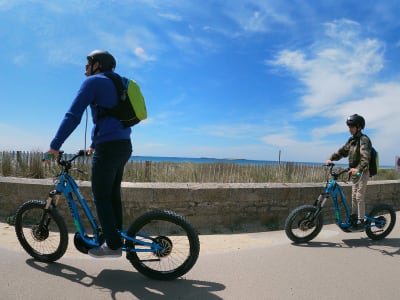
pixel 190 185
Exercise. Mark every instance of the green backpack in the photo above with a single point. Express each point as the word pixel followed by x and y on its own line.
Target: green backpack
pixel 131 107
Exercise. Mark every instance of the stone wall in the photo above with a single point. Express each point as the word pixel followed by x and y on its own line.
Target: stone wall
pixel 211 207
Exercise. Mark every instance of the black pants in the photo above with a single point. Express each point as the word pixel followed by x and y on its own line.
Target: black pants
pixel 108 164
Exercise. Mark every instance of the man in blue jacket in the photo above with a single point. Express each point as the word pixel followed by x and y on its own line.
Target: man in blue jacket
pixel 111 147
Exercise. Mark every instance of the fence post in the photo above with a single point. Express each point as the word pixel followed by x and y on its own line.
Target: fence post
pixel 147 171
pixel 19 165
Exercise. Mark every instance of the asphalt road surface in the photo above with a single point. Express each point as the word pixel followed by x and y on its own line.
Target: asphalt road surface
pixel 264 265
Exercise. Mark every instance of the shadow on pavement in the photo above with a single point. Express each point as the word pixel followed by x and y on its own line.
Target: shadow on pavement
pixel 115 281
pixel 314 244
pixel 357 243
pixel 376 245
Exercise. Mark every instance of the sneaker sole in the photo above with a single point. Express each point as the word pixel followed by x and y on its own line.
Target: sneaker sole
pixel 106 256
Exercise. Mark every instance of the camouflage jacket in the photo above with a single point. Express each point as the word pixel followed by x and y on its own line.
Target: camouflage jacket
pixel 358 150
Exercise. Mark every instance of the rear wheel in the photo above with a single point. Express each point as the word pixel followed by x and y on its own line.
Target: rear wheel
pixel 174 242
pixel 42 233
pixel 383 220
pixel 302 225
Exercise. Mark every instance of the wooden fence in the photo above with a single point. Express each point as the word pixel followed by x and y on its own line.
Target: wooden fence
pixel 30 165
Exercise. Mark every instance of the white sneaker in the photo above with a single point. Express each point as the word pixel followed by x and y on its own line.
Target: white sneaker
pixel 103 252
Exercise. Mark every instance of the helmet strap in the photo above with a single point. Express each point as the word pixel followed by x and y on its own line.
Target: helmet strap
pixel 92 70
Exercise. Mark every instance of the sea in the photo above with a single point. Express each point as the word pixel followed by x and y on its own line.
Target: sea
pixel 239 161
pixel 201 160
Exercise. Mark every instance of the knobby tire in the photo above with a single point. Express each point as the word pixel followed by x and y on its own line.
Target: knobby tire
pixel 175 233
pixel 298 226
pixel 382 212
pixel 45 244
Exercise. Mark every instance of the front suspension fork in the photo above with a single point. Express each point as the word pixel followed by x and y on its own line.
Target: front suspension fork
pixel 319 204
pixel 51 202
pixel 321 200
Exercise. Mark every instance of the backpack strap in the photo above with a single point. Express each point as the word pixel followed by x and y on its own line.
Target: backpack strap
pixel 102 112
pixel 117 80
pixel 364 135
pixel 359 144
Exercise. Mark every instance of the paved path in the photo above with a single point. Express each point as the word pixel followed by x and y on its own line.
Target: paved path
pixel 241 266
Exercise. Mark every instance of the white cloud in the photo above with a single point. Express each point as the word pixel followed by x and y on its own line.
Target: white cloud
pixel 294 60
pixel 381 111
pixel 336 68
pixel 339 76
pixel 256 16
pixel 133 46
pixel 20 59
pixel 142 54
pixel 171 17
pixel 182 41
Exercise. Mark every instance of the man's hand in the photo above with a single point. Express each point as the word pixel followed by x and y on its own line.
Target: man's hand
pixel 50 154
pixel 354 172
pixel 89 152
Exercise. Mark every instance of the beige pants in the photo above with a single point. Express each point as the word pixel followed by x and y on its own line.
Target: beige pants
pixel 358 192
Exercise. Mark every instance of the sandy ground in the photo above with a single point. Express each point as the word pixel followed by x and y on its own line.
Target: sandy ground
pixel 209 243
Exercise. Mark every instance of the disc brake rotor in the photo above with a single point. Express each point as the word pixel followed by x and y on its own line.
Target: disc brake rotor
pixel 166 245
pixel 39 233
pixel 305 224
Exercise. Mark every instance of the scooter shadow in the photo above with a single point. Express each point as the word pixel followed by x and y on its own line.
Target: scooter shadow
pixel 380 245
pixel 316 244
pixel 117 281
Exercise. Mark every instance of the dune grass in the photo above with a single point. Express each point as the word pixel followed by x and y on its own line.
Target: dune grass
pixel 30 165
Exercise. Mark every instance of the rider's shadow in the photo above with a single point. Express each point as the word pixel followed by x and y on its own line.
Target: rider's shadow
pixel 315 244
pixel 359 242
pixel 376 245
pixel 120 281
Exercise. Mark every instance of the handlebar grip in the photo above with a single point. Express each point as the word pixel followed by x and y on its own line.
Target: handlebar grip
pixel 84 153
pixel 48 156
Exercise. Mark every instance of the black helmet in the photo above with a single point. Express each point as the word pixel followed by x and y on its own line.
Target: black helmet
pixel 356 120
pixel 106 60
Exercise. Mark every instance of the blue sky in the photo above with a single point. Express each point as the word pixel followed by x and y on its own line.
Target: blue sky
pixel 224 79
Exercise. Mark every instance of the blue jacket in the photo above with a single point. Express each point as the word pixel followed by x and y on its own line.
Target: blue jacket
pixel 96 90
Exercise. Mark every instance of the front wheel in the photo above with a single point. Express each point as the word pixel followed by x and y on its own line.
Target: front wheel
pixel 302 225
pixel 42 233
pixel 380 222
pixel 175 245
